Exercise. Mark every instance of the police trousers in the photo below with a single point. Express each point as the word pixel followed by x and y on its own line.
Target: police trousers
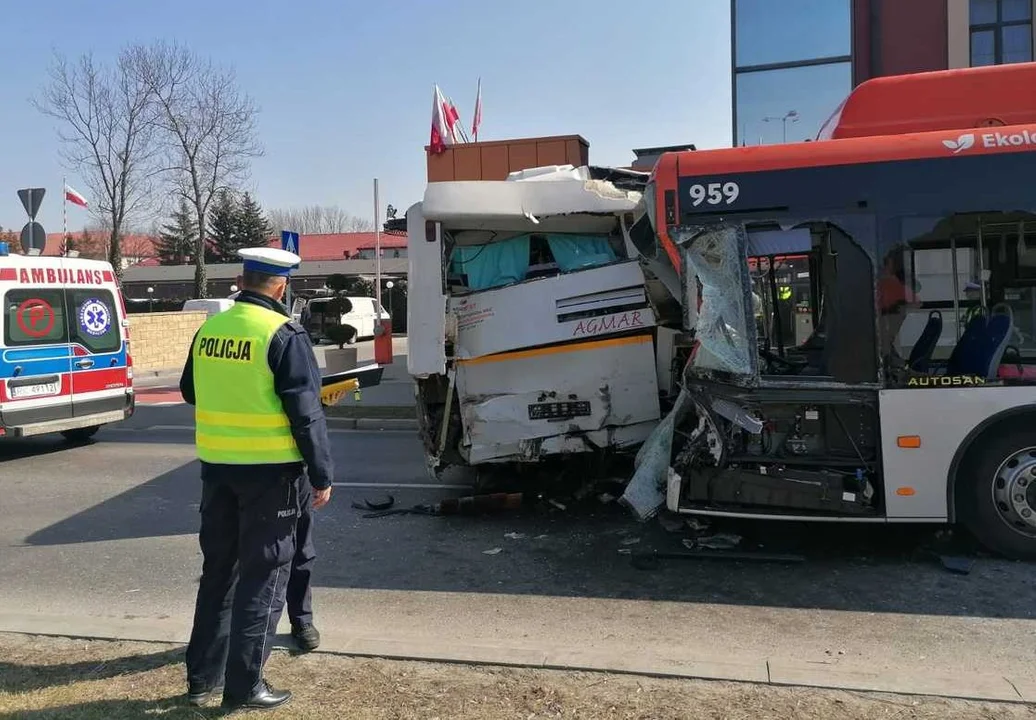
pixel 247 540
pixel 300 593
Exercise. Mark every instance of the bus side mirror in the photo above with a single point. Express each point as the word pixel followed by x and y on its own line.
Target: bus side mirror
pixel 429 231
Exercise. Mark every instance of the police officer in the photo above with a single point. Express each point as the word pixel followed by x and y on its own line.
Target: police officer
pixel 260 430
pixel 300 596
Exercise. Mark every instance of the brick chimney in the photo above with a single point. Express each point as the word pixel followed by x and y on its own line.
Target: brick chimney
pixel 496 159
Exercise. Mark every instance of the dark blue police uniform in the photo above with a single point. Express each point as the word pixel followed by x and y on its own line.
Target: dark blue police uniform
pixel 247 550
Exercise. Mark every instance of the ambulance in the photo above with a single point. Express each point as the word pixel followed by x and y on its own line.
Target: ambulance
pixel 65 364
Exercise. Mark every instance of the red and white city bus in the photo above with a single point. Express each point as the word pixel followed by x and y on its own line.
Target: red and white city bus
pixel 912 397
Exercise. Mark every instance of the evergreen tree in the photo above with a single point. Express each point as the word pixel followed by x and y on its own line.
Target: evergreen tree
pixel 224 227
pixel 176 240
pixel 253 228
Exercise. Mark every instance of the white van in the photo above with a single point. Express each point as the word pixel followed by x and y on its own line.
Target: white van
pixel 211 306
pixel 65 364
pixel 360 317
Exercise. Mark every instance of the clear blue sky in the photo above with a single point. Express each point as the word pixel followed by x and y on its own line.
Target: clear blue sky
pixel 345 88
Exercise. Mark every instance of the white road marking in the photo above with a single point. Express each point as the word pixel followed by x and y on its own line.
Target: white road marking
pixel 331 431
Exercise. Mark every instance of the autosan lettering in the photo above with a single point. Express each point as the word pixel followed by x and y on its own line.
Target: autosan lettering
pixel 59 276
pixel 945 381
pixel 226 348
pixel 609 323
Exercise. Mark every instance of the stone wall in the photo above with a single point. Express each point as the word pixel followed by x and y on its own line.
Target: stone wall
pixel 160 341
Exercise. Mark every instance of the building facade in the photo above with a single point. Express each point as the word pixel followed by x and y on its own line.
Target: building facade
pixel 794 61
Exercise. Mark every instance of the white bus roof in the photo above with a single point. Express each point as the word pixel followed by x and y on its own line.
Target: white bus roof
pixel 527 196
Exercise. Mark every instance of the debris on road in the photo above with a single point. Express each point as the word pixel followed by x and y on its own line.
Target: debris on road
pixel 468 505
pixel 671 522
pixel 493 551
pixel 719 541
pixel 630 541
pixel 650 560
pixel 957 565
pixel 514 536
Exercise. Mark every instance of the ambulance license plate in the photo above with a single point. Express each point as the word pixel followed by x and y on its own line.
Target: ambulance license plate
pixel 22 391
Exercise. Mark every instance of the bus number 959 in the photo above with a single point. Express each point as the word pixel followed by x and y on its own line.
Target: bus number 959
pixel 714 193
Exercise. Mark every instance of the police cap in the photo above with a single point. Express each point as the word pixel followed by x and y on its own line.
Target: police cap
pixel 269 261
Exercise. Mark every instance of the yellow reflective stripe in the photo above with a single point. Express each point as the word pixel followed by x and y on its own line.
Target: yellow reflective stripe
pixel 243 420
pixel 242 432
pixel 257 445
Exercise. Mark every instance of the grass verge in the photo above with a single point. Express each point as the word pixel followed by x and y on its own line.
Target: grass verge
pixel 43 677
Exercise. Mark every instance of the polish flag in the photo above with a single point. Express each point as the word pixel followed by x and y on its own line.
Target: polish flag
pixel 74 197
pixel 444 123
pixel 478 111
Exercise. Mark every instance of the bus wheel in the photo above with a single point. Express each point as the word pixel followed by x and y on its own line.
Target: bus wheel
pixel 80 434
pixel 997 496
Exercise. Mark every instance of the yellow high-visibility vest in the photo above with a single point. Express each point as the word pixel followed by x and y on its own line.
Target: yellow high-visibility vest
pixel 238 416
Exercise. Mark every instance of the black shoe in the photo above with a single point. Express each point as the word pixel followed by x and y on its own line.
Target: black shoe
pixel 306 636
pixel 265 698
pixel 199 697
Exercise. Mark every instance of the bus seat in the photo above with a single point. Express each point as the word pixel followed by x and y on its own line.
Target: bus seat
pixel 921 354
pixel 966 355
pixel 997 335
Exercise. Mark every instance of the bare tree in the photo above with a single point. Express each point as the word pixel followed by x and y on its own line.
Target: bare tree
pixel 207 125
pixel 313 219
pixel 107 134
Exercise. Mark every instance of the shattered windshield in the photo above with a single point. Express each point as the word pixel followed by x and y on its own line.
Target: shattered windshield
pixel 726 339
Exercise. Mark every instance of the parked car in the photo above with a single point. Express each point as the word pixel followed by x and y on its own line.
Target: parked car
pixel 360 317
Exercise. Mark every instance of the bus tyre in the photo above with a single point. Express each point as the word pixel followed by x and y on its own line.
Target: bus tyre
pixel 79 435
pixel 996 492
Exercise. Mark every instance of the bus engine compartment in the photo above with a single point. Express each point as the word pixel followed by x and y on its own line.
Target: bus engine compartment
pixel 789 454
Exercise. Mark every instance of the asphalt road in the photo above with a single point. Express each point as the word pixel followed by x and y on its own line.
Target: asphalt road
pixel 108 529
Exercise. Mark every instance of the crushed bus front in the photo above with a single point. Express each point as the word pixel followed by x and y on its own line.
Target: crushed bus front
pixel 532 324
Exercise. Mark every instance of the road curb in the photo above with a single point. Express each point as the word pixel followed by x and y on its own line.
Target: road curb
pixel 777 672
pixel 341 423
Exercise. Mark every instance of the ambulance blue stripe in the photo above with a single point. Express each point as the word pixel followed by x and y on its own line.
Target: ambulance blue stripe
pixel 37 353
pixel 50 360
pixel 34 367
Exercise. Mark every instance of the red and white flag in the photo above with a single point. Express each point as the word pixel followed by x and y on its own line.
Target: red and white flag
pixel 478 111
pixel 74 197
pixel 444 123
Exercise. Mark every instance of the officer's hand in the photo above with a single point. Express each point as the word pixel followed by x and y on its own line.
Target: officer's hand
pixel 321 498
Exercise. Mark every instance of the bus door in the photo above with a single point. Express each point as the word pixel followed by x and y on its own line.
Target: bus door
pixel 35 362
pixel 99 362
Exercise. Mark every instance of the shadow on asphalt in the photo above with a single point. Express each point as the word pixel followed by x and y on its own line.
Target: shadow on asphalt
pixel 581 551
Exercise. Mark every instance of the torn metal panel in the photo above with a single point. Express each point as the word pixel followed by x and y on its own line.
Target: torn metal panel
pixel 625 437
pixel 578 305
pixel 426 305
pixel 645 494
pixel 565 390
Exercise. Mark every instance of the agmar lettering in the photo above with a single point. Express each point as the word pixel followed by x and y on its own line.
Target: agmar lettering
pixel 608 323
pixel 226 348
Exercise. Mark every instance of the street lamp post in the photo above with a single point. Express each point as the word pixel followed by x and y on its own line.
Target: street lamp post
pixel 791 115
pixel 150 298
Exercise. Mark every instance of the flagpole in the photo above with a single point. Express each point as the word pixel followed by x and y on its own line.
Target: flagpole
pixel 64 216
pixel 377 253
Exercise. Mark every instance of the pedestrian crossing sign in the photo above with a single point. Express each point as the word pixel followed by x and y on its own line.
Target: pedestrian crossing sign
pixel 290 241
